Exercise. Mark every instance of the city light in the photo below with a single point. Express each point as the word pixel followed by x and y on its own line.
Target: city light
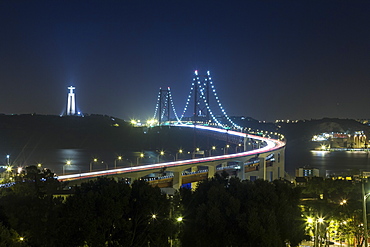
pixel 152 122
pixel 68 163
pixel 119 159
pixel 91 163
pixel 139 157
pixel 9 168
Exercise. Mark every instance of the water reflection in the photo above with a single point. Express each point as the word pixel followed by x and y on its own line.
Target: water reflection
pixel 81 160
pixel 329 162
pixel 319 153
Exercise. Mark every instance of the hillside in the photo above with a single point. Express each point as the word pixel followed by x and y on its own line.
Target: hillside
pixel 304 130
pixel 33 131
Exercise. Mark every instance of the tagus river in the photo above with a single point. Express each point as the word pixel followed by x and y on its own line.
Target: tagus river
pixel 328 162
pixel 65 161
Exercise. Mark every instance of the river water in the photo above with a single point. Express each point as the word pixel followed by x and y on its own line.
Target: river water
pixel 329 163
pixel 82 160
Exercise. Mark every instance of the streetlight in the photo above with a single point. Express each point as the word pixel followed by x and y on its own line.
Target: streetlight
pixel 315 220
pixel 8 159
pixel 226 150
pixel 179 152
pixel 119 158
pixel 213 149
pixel 68 163
pixel 106 165
pixel 344 201
pixel 129 162
pixel 196 151
pixel 236 148
pixel 160 154
pixel 91 163
pixel 19 170
pixel 139 157
pixel 9 168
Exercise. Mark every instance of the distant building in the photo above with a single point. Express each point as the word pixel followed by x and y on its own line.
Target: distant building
pixel 354 140
pixel 307 172
pixel 268 167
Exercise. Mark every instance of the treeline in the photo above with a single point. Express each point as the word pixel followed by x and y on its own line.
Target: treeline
pixel 220 212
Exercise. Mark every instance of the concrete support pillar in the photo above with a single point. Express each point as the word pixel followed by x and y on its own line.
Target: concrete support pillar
pixel 211 171
pixel 281 164
pixel 248 144
pixel 133 177
pixel 263 167
pixel 177 180
pixel 194 184
pixel 224 164
pixel 241 172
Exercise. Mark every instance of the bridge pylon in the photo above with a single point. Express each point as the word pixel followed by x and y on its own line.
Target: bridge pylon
pixel 201 98
pixel 164 105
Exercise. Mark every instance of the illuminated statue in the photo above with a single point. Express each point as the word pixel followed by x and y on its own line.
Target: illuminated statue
pixel 71 106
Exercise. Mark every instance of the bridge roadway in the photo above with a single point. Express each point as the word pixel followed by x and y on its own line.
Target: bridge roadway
pixel 269 148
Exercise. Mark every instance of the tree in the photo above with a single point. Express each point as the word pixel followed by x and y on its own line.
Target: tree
pixel 106 212
pixel 228 212
pixel 9 237
pixel 338 201
pixel 28 205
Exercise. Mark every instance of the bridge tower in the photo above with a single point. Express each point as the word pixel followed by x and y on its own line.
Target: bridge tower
pixel 164 105
pixel 201 98
pixel 71 105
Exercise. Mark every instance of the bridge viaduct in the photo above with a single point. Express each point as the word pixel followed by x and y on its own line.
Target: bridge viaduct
pixel 261 158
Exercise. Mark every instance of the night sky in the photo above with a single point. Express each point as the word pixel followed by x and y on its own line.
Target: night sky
pixel 268 59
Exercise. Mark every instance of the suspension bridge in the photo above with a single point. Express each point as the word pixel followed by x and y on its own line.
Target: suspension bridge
pixel 202 94
pixel 258 156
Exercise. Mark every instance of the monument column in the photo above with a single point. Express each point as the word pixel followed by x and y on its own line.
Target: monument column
pixel 71 105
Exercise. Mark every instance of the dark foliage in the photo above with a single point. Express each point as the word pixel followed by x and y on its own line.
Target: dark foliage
pixel 228 212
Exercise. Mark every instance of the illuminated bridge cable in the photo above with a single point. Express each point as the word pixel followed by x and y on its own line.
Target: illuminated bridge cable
pixel 209 109
pixel 157 105
pixel 173 105
pixel 165 107
pixel 188 100
pixel 208 77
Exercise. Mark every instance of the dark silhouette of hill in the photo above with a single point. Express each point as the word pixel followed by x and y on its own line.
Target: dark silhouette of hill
pixel 92 132
pixel 106 132
pixel 299 134
pixel 303 130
